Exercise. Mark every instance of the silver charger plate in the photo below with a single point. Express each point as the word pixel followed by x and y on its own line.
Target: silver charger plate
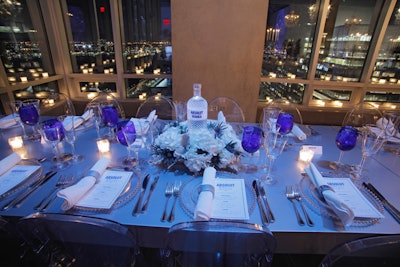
pixel 312 196
pixel 131 189
pixel 27 181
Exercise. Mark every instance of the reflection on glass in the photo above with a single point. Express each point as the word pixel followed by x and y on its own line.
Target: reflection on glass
pixel 146 39
pixel 347 35
pixel 90 36
pixel 324 94
pixel 143 88
pixel 20 50
pixel 97 87
pixel 41 91
pixel 388 62
pixel 391 97
pixel 288 39
pixel 292 91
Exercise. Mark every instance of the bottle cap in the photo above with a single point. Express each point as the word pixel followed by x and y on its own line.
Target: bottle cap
pixel 197 89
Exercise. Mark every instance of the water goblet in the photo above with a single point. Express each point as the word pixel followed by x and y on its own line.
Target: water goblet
pixel 251 143
pixel 126 135
pixel 14 106
pixel 109 115
pixel 29 115
pixel 270 117
pixel 346 139
pixel 274 143
pixel 70 138
pixel 285 122
pixel 53 132
pixel 371 143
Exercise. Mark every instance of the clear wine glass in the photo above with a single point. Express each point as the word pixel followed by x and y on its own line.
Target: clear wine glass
pixel 53 132
pixel 270 117
pixel 126 135
pixel 251 143
pixel 110 117
pixel 274 143
pixel 285 122
pixel 14 106
pixel 70 138
pixel 346 139
pixel 29 115
pixel 371 143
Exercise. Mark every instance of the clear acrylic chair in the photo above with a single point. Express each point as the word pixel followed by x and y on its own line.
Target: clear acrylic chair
pixel 72 240
pixel 218 243
pixel 105 98
pixel 163 106
pixel 57 104
pixel 362 114
pixel 286 106
pixel 367 252
pixel 231 109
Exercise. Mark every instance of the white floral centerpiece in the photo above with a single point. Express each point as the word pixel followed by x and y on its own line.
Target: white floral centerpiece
pixel 217 146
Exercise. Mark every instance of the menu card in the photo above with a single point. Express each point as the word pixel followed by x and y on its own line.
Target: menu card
pixel 15 176
pixel 230 200
pixel 105 192
pixel 349 194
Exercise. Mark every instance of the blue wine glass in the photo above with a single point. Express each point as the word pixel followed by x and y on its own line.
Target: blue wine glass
pixel 285 122
pixel 251 143
pixel 29 114
pixel 346 139
pixel 126 136
pixel 109 115
pixel 53 132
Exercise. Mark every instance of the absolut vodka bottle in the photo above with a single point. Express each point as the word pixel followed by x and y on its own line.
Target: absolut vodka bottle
pixel 197 110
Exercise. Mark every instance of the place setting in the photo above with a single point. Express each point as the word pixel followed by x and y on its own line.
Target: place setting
pixel 100 189
pixel 340 199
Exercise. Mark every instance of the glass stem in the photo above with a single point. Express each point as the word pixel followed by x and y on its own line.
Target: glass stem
pixel 271 161
pixel 340 156
pixel 363 159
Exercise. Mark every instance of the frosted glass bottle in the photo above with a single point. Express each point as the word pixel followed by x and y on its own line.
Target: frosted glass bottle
pixel 197 110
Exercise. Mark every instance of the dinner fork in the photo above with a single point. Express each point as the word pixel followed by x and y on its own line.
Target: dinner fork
pixel 169 190
pixel 177 187
pixel 291 197
pixel 298 197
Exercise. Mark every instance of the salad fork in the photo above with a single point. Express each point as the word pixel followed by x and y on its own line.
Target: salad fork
pixel 298 197
pixel 291 197
pixel 169 190
pixel 177 187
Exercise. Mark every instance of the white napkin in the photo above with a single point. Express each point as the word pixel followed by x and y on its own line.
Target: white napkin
pixel 221 116
pixel 387 125
pixel 9 162
pixel 74 193
pixel 343 211
pixel 205 202
pixel 77 120
pixel 9 120
pixel 298 132
pixel 142 125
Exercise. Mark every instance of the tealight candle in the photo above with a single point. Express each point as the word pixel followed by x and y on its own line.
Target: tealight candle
pixel 306 155
pixel 45 74
pixel 86 71
pixel 106 71
pixel 15 142
pixel 24 79
pixel 103 145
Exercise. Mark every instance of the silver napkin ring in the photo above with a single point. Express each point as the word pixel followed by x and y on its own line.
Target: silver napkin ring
pixel 207 187
pixel 95 174
pixel 324 187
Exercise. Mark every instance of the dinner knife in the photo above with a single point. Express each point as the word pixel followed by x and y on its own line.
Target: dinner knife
pixel 152 186
pixel 268 207
pixel 264 217
pixel 17 201
pixel 389 207
pixel 136 210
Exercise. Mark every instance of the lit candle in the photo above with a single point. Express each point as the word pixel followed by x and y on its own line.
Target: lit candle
pixel 45 74
pixel 50 101
pixel 15 142
pixel 306 155
pixel 106 71
pixel 103 145
pixel 141 97
pixel 85 71
pixel 12 79
pixel 24 79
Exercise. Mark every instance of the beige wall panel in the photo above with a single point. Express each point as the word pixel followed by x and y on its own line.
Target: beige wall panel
pixel 218 44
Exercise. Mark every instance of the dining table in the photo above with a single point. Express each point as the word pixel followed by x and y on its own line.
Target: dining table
pixel 382 170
